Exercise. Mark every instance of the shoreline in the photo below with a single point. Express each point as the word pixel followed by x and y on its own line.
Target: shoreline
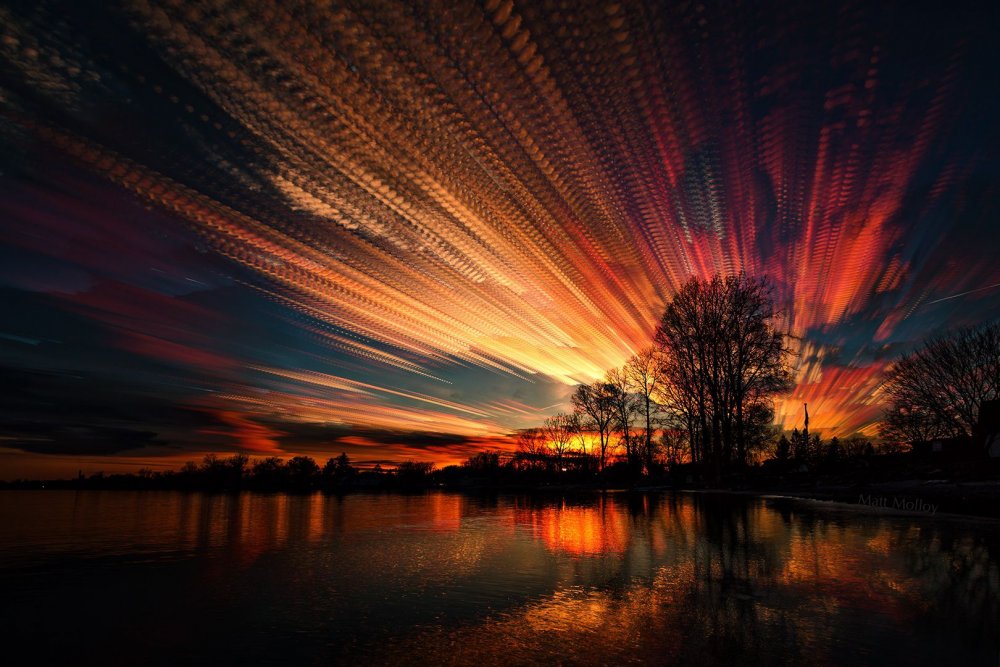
pixel 909 498
pixel 912 498
pixel 819 501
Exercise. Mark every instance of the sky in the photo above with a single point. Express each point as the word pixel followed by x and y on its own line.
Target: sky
pixel 406 230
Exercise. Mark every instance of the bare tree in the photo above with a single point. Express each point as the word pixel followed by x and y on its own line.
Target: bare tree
pixel 582 436
pixel 723 360
pixel 855 446
pixel 645 376
pixel 760 431
pixel 625 408
pixel 559 431
pixel 904 422
pixel 673 442
pixel 937 391
pixel 596 406
pixel 681 407
pixel 531 447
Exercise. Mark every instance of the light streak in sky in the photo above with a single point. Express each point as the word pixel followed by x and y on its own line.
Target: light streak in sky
pixel 961 294
pixel 516 189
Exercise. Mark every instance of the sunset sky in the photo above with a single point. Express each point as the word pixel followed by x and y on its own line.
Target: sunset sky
pixel 405 230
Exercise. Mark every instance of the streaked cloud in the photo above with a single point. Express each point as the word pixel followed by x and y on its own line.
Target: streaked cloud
pixel 408 218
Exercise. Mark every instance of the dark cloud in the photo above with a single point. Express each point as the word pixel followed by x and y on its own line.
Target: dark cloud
pixel 74 439
pixel 302 437
pixel 53 412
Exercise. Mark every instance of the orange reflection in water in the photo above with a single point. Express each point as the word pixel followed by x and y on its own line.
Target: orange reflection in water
pixel 687 579
pixel 707 580
pixel 843 568
pixel 446 512
pixel 578 531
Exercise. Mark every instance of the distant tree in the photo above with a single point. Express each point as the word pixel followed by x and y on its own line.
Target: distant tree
pixel 338 468
pixel 211 467
pixel 806 447
pixel 531 448
pixel 221 473
pixel 268 472
pixel 937 390
pixel 238 464
pixel 486 462
pixel 329 470
pixel 783 449
pixel 800 445
pixel 413 473
pixel 626 408
pixel 834 451
pixel 891 447
pixel 673 444
pixel 582 434
pixel 645 375
pixel 559 431
pixel 531 441
pixel 681 409
pixel 854 446
pixel 337 471
pixel 302 471
pixel 595 403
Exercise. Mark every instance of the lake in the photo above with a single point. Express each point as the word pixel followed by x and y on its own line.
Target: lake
pixel 115 577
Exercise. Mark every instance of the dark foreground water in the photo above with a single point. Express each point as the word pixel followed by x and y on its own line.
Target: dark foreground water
pixel 176 578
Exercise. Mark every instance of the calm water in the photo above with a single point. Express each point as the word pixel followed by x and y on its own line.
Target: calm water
pixel 168 578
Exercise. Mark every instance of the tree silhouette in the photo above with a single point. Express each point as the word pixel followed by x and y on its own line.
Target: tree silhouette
pixel 645 376
pixel 413 473
pixel 531 449
pixel 486 462
pixel 559 431
pixel 937 390
pixel 626 408
pixel 724 361
pixel 337 471
pixel 783 449
pixel 302 471
pixel 595 403
pixel 268 472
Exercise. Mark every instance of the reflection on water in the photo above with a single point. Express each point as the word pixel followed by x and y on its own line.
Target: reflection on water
pixel 447 579
pixel 587 530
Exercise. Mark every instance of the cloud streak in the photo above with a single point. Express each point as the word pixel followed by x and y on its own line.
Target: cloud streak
pixel 438 220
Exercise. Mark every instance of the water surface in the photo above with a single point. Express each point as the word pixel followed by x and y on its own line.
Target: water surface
pixel 165 577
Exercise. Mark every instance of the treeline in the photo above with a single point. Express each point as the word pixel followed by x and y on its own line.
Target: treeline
pixel 240 472
pixel 702 393
pixel 794 456
pixel 801 448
